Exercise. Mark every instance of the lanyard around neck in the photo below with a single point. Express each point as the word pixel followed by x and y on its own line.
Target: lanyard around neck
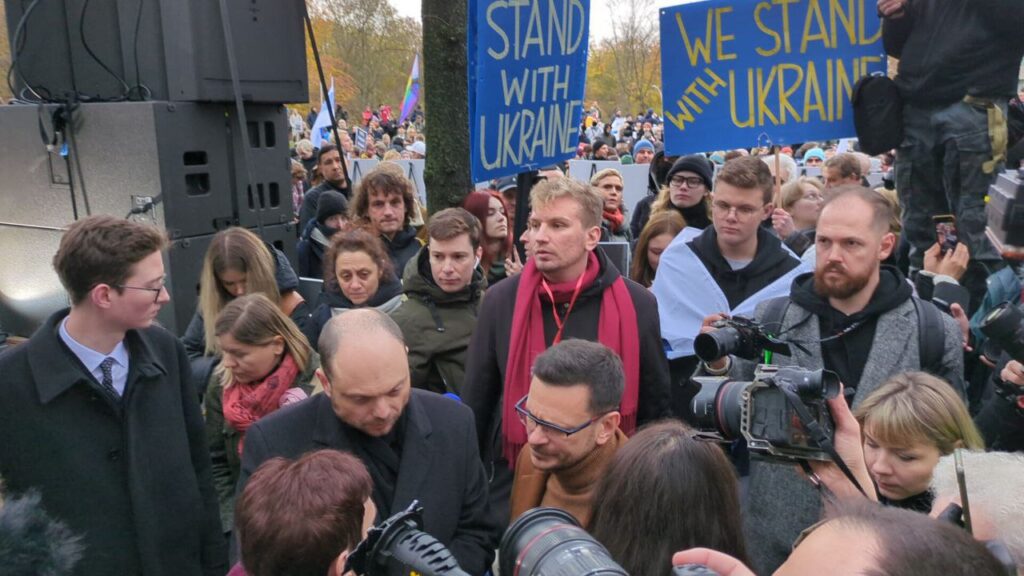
pixel 560 321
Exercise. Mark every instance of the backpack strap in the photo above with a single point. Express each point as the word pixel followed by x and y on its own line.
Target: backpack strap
pixel 931 335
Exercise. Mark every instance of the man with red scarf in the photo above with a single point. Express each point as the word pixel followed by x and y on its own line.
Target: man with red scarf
pixel 608 183
pixel 567 290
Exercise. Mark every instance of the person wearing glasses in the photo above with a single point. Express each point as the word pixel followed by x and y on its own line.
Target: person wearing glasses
pixel 571 416
pixel 568 289
pixel 686 190
pixel 98 414
pixel 722 271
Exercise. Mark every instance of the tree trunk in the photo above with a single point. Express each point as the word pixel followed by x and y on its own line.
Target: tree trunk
pixel 446 102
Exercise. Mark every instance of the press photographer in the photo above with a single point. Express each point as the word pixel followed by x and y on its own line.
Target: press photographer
pixel 1001 419
pixel 854 317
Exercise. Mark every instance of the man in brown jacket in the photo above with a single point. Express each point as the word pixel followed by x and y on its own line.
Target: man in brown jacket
pixel 572 419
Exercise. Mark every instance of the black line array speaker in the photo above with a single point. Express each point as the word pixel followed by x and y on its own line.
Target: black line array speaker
pixel 187 155
pixel 176 48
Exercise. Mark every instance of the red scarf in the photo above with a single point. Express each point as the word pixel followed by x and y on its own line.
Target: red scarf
pixel 616 329
pixel 244 404
pixel 615 219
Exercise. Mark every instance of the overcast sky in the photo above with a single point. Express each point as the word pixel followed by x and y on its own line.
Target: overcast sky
pixel 600 28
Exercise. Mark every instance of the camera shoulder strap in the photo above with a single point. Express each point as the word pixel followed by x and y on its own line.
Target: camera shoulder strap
pixel 931 336
pixel 773 314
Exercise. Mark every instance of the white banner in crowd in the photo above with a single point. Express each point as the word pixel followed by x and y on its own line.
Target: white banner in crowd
pixel 634 178
pixel 413 170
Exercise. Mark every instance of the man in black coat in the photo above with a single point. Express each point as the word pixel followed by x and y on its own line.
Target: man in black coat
pixel 417 445
pixel 328 162
pixel 568 289
pixel 99 416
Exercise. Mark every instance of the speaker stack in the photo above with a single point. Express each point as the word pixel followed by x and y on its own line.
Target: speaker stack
pixel 156 124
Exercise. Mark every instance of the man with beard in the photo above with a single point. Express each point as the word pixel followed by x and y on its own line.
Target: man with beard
pixel 384 203
pixel 852 316
pixel 328 164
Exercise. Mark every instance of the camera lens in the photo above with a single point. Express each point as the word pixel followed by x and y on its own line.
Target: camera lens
pixel 810 384
pixel 719 408
pixel 1005 326
pixel 548 541
pixel 711 346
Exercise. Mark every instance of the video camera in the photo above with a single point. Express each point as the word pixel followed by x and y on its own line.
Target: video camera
pixel 541 542
pixel 1004 326
pixel 1006 214
pixel 782 413
pixel 550 542
pixel 399 546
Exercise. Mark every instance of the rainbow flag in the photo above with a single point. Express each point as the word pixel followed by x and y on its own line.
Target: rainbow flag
pixel 412 91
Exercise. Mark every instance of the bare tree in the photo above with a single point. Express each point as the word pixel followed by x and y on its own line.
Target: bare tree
pixel 634 48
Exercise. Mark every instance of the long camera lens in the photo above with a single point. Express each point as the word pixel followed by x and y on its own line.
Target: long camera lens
pixel 549 542
pixel 719 407
pixel 1004 325
pixel 711 346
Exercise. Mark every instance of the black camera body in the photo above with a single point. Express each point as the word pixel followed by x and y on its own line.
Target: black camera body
pixel 736 336
pixel 772 412
pixel 1004 326
pixel 398 546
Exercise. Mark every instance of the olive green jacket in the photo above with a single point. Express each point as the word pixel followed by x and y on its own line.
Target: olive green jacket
pixel 224 440
pixel 437 326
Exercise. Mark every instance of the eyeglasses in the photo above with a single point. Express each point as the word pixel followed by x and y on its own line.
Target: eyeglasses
pixel 157 291
pixel 689 181
pixel 812 160
pixel 530 421
pixel 724 208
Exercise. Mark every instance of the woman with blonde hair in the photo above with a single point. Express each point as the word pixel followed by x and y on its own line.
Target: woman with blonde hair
pixel 796 218
pixel 661 228
pixel 907 424
pixel 238 263
pixel 266 364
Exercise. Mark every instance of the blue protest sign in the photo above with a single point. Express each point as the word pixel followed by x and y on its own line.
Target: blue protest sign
pixel 733 70
pixel 527 69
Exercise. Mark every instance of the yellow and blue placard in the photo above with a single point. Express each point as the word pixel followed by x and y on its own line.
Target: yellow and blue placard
pixel 527 70
pixel 739 72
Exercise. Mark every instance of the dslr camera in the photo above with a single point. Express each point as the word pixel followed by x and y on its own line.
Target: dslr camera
pixel 782 413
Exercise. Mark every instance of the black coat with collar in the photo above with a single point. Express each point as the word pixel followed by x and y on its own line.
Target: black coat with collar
pixel 132 479
pixel 440 466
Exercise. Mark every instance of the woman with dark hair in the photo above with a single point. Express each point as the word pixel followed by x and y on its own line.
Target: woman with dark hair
pixel 358 273
pixel 500 260
pixel 655 238
pixel 667 491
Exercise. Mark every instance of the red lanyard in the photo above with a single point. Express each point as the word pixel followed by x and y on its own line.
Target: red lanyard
pixel 560 322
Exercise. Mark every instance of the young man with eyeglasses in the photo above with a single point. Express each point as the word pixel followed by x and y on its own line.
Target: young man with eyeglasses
pixel 571 416
pixel 99 416
pixel 723 271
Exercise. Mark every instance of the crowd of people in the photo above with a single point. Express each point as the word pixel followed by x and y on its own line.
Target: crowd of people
pixel 446 361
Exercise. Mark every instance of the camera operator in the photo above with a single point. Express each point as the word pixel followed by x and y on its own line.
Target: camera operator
pixel 726 268
pixel 1001 420
pixel 854 317
pixel 285 527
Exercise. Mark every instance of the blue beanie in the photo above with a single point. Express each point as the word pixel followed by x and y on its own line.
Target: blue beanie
pixel 642 144
pixel 815 153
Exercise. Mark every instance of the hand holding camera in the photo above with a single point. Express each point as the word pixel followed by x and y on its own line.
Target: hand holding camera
pixel 847 442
